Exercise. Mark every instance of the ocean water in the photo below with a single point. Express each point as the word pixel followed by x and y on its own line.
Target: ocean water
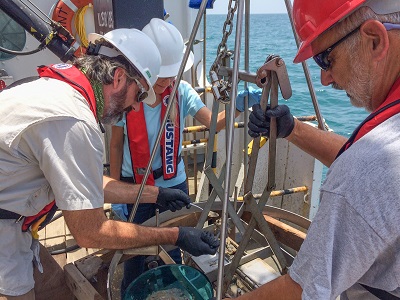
pixel 272 34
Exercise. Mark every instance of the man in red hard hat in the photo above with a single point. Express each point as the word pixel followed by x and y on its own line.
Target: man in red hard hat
pixel 352 247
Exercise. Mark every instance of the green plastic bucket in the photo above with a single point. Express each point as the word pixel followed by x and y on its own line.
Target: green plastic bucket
pixel 177 282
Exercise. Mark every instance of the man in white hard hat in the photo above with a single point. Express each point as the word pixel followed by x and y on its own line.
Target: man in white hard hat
pixel 352 247
pixel 51 156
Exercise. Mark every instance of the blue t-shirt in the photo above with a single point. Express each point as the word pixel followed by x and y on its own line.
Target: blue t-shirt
pixel 189 104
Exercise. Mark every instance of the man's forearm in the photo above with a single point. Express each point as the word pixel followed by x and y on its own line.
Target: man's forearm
pixel 120 192
pixel 281 288
pixel 133 236
pixel 323 145
pixel 116 151
pixel 115 163
pixel 92 229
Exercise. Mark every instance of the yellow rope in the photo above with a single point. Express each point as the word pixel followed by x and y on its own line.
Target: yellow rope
pixel 80 25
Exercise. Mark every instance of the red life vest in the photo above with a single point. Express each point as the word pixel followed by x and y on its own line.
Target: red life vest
pixel 389 108
pixel 139 143
pixel 75 78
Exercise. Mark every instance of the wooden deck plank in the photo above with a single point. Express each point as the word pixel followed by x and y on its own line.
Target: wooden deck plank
pixel 79 285
pixel 286 234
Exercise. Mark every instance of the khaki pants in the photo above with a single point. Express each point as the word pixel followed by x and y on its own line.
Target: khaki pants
pixel 49 285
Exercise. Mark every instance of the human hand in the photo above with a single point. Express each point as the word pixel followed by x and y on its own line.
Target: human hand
pixel 254 96
pixel 259 123
pixel 120 210
pixel 172 199
pixel 197 242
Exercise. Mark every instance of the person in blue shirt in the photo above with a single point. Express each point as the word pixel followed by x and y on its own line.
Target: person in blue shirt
pixel 131 145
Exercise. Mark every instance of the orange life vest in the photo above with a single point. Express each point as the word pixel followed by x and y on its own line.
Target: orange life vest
pixel 139 143
pixel 389 108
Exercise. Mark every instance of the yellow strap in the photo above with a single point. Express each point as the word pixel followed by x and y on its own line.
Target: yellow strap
pixel 35 227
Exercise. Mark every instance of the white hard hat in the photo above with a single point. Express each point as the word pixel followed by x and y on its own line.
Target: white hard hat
pixel 170 44
pixel 138 49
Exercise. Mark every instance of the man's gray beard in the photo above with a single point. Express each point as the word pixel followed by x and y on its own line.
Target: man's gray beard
pixel 358 92
pixel 114 112
pixel 360 85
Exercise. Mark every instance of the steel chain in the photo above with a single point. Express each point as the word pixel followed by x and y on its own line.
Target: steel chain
pixel 220 87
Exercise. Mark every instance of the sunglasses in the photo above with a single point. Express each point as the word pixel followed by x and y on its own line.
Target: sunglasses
pixel 142 94
pixel 322 58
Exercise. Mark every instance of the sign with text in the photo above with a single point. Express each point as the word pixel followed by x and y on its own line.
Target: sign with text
pixel 111 14
pixel 103 16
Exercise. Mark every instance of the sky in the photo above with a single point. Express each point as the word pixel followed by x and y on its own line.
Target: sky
pixel 256 7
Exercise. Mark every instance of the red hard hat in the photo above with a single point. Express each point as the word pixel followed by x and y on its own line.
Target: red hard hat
pixel 313 17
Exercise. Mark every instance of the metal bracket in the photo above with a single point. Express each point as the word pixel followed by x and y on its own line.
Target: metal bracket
pixel 269 76
pixel 276 64
pixel 220 88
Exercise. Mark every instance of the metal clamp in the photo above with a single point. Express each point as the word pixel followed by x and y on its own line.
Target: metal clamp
pixel 275 63
pixel 220 88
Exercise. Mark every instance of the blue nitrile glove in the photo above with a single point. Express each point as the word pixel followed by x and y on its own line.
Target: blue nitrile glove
pixel 254 97
pixel 259 122
pixel 197 242
pixel 172 199
pixel 121 210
